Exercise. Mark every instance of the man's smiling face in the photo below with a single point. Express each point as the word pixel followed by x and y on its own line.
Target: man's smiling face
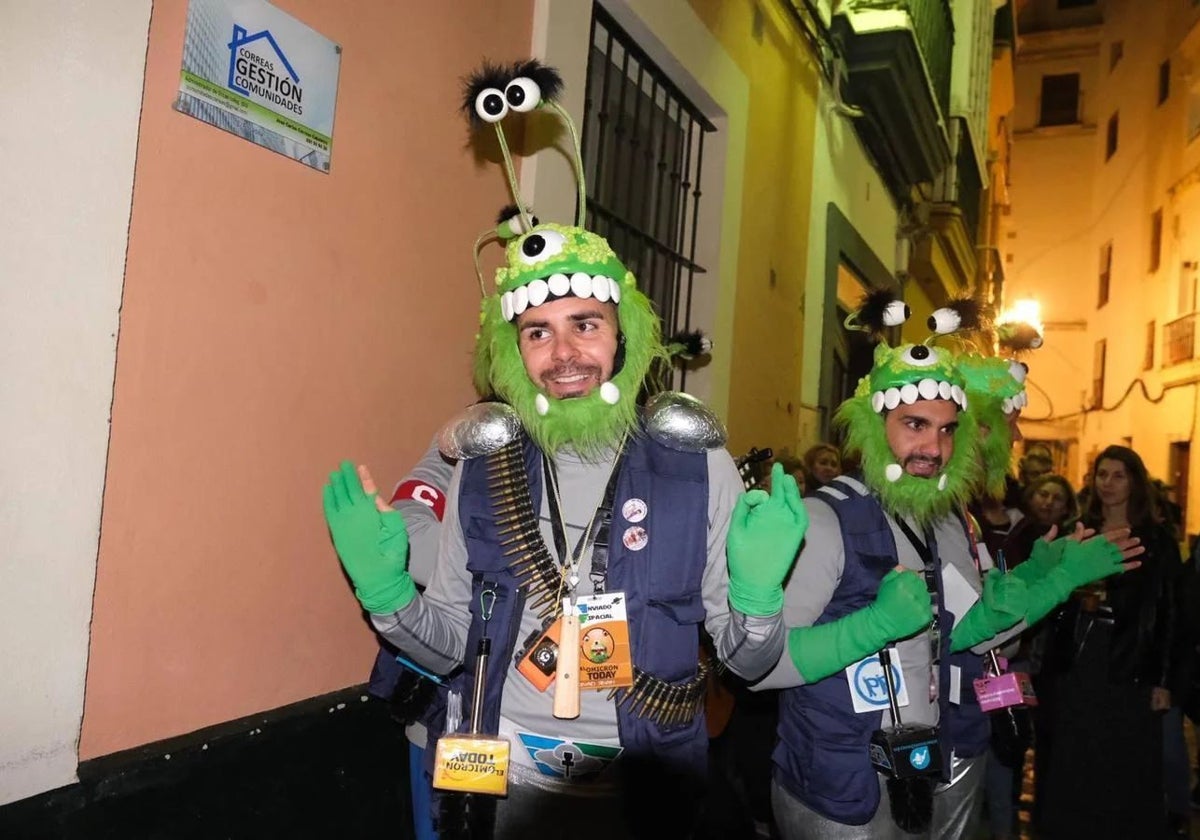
pixel 921 435
pixel 568 345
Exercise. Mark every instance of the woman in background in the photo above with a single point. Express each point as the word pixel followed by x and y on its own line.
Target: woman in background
pixel 1110 659
pixel 1050 500
pixel 822 463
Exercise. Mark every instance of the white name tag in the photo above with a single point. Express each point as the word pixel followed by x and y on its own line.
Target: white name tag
pixel 985 558
pixel 958 592
pixel 868 686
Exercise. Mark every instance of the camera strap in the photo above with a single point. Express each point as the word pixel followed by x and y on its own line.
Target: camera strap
pixel 925 550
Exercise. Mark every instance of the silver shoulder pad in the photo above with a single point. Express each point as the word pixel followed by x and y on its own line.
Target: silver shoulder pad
pixel 479 430
pixel 680 421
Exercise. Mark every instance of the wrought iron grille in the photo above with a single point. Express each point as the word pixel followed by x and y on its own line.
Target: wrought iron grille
pixel 643 149
pixel 1179 340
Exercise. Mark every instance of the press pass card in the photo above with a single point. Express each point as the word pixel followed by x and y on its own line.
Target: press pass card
pixel 604 658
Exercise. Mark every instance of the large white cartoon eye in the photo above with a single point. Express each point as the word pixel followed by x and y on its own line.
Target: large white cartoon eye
pixel 541 246
pixel 523 94
pixel 1018 371
pixel 490 105
pixel 919 355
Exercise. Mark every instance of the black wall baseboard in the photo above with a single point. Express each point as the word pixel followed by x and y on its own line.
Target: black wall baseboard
pixel 329 763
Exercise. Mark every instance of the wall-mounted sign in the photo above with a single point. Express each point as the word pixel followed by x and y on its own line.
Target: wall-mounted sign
pixel 261 74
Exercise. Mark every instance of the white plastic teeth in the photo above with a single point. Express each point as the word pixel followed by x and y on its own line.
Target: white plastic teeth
pixel 942 482
pixel 1015 403
pixel 892 472
pixel 926 389
pixel 610 393
pixel 537 292
pixel 541 404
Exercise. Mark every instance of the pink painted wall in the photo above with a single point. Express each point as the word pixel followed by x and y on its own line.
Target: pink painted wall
pixel 274 321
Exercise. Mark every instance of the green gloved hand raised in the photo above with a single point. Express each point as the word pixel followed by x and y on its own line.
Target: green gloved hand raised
pixel 764 536
pixel 1002 605
pixel 1043 557
pixel 370 539
pixel 1082 563
pixel 901 608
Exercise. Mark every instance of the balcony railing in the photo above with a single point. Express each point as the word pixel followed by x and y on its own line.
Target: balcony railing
pixel 961 183
pixel 933 26
pixel 1179 340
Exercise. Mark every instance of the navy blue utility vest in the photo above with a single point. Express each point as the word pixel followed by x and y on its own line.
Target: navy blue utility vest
pixel 821 756
pixel 662 583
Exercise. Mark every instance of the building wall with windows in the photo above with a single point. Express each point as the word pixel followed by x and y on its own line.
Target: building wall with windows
pixel 1107 232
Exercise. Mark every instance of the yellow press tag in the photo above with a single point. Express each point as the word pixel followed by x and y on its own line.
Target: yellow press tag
pixel 471 763
pixel 605 660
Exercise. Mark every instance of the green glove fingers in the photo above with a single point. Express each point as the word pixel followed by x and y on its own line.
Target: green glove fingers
pixel 1088 561
pixel 901 608
pixel 764 535
pixel 1081 563
pixel 1042 558
pixel 1003 603
pixel 372 545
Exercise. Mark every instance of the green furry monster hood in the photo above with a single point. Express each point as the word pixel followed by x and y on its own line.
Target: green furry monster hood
pixel 550 262
pixel 546 262
pixel 996 389
pixel 907 374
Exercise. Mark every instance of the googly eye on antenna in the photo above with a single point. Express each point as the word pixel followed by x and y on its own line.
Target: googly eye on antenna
pixel 880 310
pixel 494 91
pixel 958 315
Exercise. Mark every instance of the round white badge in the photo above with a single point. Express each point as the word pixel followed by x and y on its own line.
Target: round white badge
pixel 634 510
pixel 635 538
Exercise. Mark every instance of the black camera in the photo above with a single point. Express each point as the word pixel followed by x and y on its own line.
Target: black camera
pixel 539 656
pixel 545 655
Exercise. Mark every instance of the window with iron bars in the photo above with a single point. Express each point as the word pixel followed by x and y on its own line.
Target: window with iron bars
pixel 643 149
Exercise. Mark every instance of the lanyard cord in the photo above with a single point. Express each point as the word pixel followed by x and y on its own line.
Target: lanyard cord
pixel 931 581
pixel 597 525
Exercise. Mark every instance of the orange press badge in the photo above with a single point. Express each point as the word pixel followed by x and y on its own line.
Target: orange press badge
pixel 604 658
pixel 472 764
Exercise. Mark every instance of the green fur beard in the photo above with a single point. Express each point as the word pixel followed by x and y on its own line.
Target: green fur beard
pixel 910 496
pixel 587 425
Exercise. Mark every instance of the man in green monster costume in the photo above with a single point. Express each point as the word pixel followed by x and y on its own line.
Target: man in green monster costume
pixel 569 499
pixel 888 561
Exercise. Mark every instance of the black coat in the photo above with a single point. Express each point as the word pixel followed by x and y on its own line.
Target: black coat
pixel 1147 647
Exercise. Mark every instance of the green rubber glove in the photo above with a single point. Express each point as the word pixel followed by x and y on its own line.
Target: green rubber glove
pixel 372 544
pixel 901 608
pixel 1043 557
pixel 1082 563
pixel 1002 605
pixel 764 536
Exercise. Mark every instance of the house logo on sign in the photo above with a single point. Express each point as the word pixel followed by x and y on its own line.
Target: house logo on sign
pixel 259 70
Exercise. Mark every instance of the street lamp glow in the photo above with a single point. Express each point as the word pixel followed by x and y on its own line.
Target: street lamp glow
pixel 1024 311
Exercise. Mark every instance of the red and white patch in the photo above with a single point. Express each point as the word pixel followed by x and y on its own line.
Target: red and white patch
pixel 419 491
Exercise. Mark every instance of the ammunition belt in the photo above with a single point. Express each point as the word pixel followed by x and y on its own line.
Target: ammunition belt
pixel 541 577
